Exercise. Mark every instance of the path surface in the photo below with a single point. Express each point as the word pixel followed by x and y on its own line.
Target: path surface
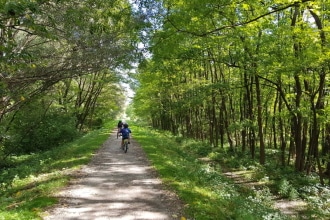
pixel 115 186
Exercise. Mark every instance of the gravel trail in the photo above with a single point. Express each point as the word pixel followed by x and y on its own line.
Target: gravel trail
pixel 115 185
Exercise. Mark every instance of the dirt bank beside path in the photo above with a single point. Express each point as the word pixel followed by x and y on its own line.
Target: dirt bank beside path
pixel 114 186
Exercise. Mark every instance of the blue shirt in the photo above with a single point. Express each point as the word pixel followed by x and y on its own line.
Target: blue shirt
pixel 125 132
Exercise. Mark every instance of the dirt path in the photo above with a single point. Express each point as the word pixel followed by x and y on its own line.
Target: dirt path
pixel 114 186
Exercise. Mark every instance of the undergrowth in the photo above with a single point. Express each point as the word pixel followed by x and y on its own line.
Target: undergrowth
pixel 206 192
pixel 27 186
pixel 283 183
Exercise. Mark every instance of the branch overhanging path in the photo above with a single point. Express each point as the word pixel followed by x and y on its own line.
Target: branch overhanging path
pixel 117 185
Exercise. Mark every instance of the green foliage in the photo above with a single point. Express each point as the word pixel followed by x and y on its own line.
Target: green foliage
pixel 234 159
pixel 51 79
pixel 28 185
pixel 207 60
pixel 34 130
pixel 200 183
pixel 264 196
pixel 96 123
pixel 286 190
pixel 318 199
pixel 198 148
pixel 205 191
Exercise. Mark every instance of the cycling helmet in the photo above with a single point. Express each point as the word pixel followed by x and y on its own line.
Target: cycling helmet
pixel 125 125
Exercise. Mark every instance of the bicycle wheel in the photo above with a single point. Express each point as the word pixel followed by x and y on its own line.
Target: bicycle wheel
pixel 125 146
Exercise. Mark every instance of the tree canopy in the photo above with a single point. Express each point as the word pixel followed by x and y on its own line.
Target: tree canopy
pixel 247 75
pixel 61 63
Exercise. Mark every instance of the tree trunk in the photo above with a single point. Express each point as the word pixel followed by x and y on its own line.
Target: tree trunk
pixel 262 158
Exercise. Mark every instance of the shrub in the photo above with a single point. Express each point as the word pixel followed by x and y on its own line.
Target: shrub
pixel 35 132
pixel 201 149
pixel 286 190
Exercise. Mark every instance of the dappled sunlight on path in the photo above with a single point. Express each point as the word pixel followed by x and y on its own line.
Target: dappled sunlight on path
pixel 114 186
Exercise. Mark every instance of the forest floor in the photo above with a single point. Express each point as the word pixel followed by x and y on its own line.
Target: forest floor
pixel 291 208
pixel 116 185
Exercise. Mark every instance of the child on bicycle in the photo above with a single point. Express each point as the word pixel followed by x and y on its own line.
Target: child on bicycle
pixel 125 133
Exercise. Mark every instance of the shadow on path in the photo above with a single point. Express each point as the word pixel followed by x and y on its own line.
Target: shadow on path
pixel 116 185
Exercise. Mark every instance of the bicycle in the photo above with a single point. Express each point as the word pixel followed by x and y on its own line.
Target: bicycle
pixel 125 146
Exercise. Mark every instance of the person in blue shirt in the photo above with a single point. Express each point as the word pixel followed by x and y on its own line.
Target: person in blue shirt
pixel 125 134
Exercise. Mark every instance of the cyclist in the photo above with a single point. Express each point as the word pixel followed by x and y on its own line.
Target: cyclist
pixel 125 133
pixel 119 127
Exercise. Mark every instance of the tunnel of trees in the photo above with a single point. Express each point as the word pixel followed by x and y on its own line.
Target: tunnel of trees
pixel 250 76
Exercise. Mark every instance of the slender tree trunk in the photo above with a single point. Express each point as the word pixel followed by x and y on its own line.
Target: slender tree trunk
pixel 242 118
pixel 320 100
pixel 297 118
pixel 274 123
pixel 282 133
pixel 260 125
pixel 226 123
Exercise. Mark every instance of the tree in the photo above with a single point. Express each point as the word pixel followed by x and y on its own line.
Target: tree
pixel 245 68
pixel 47 46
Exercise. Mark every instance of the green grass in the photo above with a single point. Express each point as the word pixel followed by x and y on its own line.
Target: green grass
pixel 28 186
pixel 194 170
pixel 205 191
